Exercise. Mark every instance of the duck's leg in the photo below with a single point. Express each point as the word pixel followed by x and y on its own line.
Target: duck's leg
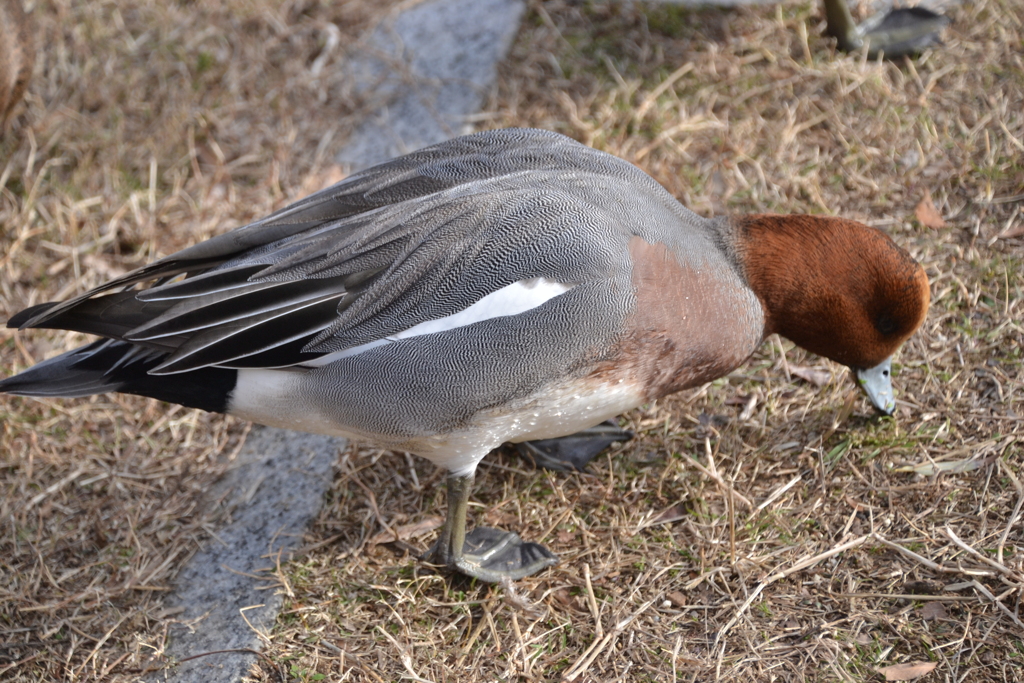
pixel 487 554
pixel 894 34
pixel 573 452
pixel 840 25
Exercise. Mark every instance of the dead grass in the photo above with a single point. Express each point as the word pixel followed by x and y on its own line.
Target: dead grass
pixel 149 126
pixel 707 548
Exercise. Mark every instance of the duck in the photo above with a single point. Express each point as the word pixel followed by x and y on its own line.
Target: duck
pixel 505 286
pixel 897 33
pixel 17 57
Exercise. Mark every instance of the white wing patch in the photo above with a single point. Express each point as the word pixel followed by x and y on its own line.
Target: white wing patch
pixel 512 299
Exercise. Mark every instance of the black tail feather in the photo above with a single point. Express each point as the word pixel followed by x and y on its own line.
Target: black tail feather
pixel 18 320
pixel 109 365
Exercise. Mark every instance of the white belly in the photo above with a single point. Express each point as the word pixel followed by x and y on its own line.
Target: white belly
pixel 274 398
pixel 567 410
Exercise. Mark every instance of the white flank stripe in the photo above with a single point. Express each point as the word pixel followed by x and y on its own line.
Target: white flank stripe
pixel 512 299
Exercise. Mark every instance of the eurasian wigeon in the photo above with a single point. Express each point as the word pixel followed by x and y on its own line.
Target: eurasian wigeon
pixel 500 287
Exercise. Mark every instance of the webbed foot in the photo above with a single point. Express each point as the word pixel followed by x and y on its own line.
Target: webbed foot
pixel 894 34
pixel 573 452
pixel 493 555
pixel 487 554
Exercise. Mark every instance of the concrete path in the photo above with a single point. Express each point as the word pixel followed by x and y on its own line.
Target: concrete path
pixel 430 67
pixel 274 491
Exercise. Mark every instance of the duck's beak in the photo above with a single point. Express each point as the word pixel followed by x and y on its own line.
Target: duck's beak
pixel 877 384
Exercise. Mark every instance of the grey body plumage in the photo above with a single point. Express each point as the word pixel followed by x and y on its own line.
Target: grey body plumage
pixel 416 239
pixel 309 306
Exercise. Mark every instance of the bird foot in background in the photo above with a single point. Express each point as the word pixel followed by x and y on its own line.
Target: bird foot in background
pixel 894 34
pixel 573 452
pixel 903 32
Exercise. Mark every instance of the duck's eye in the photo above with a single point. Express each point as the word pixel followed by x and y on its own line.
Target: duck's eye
pixel 885 373
pixel 886 324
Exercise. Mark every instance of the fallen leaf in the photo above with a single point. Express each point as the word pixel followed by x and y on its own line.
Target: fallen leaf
pixel 1015 231
pixel 563 598
pixel 672 514
pixel 677 599
pixel 565 536
pixel 932 611
pixel 907 672
pixel 927 214
pixel 818 378
pixel 930 468
pixel 407 531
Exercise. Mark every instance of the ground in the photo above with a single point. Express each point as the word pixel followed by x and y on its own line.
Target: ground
pixel 765 527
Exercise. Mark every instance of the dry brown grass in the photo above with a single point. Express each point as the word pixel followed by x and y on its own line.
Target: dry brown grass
pixel 149 126
pixel 662 577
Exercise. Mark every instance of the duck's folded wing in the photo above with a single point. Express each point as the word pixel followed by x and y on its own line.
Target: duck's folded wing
pixel 460 161
pixel 349 281
pixel 407 180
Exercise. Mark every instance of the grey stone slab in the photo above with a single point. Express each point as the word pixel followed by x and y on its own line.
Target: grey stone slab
pixel 430 67
pixel 272 493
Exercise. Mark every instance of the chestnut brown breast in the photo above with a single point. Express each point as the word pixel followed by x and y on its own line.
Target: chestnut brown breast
pixel 695 320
